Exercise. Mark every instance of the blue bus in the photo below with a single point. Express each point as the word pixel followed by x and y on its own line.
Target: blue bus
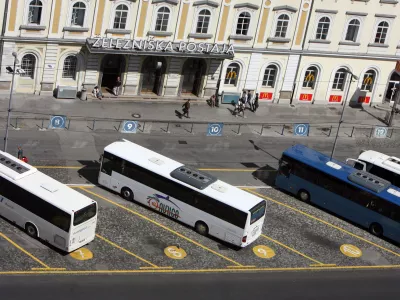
pixel 355 195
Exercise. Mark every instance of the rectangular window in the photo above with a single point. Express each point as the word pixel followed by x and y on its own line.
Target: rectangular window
pixel 84 214
pixel 257 212
pixel 35 205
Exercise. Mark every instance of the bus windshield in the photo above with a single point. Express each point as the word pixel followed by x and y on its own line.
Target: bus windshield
pixel 84 214
pixel 257 212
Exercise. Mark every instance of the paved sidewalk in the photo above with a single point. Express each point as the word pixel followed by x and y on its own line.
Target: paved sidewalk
pixel 33 105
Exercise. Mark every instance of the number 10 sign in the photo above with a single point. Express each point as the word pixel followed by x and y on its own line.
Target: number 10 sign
pixel 215 129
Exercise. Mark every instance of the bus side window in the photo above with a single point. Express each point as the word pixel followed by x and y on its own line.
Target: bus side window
pixel 285 167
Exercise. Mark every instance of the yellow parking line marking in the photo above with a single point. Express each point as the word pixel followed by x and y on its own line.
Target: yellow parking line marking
pixel 48 269
pixel 23 250
pixel 323 265
pixel 241 266
pixel 162 226
pixel 227 270
pixel 126 251
pixel 80 186
pixel 291 249
pixel 323 221
pixel 157 268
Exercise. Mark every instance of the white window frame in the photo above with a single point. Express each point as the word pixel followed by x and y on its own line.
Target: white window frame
pixel 155 14
pixel 70 10
pixel 197 19
pixel 211 24
pixel 373 82
pixel 237 83
pixel 275 77
pixel 288 31
pixel 34 73
pixel 128 18
pixel 387 39
pixel 315 78
pixel 43 16
pixel 344 80
pixel 318 19
pixel 237 23
pixel 250 32
pixel 347 27
pixel 76 68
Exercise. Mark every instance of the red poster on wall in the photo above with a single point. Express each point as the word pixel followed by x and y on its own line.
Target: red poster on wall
pixel 265 96
pixel 364 99
pixel 335 98
pixel 306 97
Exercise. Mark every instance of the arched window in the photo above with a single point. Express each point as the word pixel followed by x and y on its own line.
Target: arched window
pixel 232 74
pixel 340 78
pixel 162 19
pixel 282 25
pixel 78 14
pixel 270 76
pixel 69 68
pixel 35 12
pixel 352 30
pixel 243 23
pixel 28 63
pixel 310 77
pixel 381 32
pixel 368 81
pixel 323 28
pixel 203 21
pixel 121 15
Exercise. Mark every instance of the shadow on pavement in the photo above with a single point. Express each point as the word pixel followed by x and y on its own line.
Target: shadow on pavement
pixel 89 171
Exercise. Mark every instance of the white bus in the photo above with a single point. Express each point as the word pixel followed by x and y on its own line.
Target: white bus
pixel 379 164
pixel 183 193
pixel 44 207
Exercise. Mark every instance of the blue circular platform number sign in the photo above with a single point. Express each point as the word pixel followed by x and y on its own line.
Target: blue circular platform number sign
pixel 129 126
pixel 381 132
pixel 215 129
pixel 57 122
pixel 301 129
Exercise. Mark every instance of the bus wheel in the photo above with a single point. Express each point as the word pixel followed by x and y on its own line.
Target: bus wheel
pixel 201 228
pixel 376 229
pixel 127 194
pixel 304 196
pixel 31 230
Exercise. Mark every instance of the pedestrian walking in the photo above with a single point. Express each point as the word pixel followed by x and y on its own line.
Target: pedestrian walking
pixel 186 108
pixel 255 103
pixel 250 100
pixel 117 85
pixel 20 152
pixel 213 101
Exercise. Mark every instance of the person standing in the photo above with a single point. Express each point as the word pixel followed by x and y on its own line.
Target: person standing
pixel 20 152
pixel 255 103
pixel 250 100
pixel 213 101
pixel 117 86
pixel 186 108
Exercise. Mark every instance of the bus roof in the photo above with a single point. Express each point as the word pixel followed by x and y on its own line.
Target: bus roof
pixel 337 169
pixel 43 186
pixel 163 166
pixel 387 162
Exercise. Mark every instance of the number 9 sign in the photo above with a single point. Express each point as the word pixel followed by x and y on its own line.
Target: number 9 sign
pixel 215 129
pixel 129 127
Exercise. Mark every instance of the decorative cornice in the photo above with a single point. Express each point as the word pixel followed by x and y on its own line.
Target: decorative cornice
pixel 326 11
pixel 278 40
pixel 240 37
pixel 76 29
pixel 200 35
pixel 120 31
pixel 385 16
pixel 348 43
pixel 389 1
pixel 159 33
pixel 206 2
pixel 378 45
pixel 32 27
pixel 172 2
pixel 355 13
pixel 285 7
pixel 246 5
pixel 319 41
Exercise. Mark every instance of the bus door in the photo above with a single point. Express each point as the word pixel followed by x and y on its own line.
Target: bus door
pixel 105 171
pixel 7 209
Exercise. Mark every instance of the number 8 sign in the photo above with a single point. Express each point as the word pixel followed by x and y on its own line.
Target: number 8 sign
pixel 215 129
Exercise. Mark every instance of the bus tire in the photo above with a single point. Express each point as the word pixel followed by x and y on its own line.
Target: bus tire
pixel 376 229
pixel 127 194
pixel 304 196
pixel 31 230
pixel 201 228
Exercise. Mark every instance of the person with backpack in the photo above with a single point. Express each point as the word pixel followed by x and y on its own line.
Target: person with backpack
pixel 186 108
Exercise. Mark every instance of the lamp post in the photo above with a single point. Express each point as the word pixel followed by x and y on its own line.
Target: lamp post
pixel 341 116
pixel 10 102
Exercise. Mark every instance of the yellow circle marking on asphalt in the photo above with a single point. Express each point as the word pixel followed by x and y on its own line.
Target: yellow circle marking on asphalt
pixel 350 250
pixel 263 251
pixel 175 252
pixel 82 254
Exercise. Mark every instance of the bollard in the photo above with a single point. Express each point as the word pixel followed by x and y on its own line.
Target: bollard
pixel 16 123
pixel 352 131
pixel 330 130
pixel 167 126
pixel 239 129
pixel 283 129
pixel 191 129
pixel 42 123
pixel 391 133
pixel 144 124
pixel 69 123
pixel 94 123
pixel 372 130
pixel 262 129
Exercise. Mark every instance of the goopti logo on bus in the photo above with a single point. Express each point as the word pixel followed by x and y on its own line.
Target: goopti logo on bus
pixel 154 202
